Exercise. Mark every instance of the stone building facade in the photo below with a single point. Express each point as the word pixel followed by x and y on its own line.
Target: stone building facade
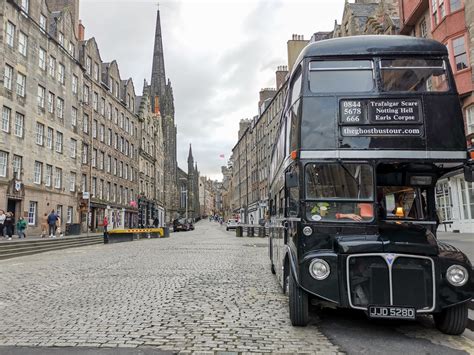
pixel 110 133
pixel 151 165
pixel 71 126
pixel 41 105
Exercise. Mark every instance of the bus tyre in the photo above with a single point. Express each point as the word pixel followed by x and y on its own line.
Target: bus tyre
pixel 452 320
pixel 298 300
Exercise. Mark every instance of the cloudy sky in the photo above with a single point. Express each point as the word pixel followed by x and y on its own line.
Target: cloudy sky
pixel 218 55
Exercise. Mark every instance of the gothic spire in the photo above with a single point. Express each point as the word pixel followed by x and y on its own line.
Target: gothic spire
pixel 190 156
pixel 158 76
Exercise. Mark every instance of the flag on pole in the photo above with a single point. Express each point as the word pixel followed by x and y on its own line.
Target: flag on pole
pixel 222 156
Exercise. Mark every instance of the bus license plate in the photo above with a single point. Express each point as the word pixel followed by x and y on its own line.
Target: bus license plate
pixel 392 312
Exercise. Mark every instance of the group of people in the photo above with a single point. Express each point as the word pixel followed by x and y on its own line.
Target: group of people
pixel 7 225
pixel 50 225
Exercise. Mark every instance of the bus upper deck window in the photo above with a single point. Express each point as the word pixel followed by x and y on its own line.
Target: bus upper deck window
pixel 413 75
pixel 335 76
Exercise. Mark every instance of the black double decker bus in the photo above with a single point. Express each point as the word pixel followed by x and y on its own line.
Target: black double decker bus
pixel 369 126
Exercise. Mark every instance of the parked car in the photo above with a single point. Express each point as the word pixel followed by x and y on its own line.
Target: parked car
pixel 231 224
pixel 181 225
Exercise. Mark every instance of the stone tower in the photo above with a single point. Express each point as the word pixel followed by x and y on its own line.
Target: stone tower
pixel 161 93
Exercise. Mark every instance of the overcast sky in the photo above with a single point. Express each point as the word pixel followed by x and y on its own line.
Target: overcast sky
pixel 218 55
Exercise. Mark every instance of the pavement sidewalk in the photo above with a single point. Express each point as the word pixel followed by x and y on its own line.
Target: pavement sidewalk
pixel 463 241
pixel 37 237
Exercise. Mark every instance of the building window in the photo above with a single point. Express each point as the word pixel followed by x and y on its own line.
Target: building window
pixel 42 59
pixel 48 175
pixel 107 192
pixel 108 163
pixel 470 119
pixel 94 157
pixel 94 129
pixel 19 124
pixel 49 138
pixel 39 133
pixel 69 217
pixel 50 102
pixel 32 213
pixel 41 96
pixel 57 177
pixel 10 34
pixel 89 65
pixel 95 101
pixel 42 22
pixel 115 166
pixel 109 137
pixel 84 182
pixel 37 172
pixel 3 163
pixel 73 117
pixel 73 148
pixel 59 142
pixel 17 164
pixel 94 187
pixel 61 74
pixel 25 5
pixel 85 154
pixel 102 106
pixel 20 85
pixel 455 5
pixel 442 10
pixel 434 11
pixel 60 107
pixel 460 55
pixel 72 182
pixel 101 189
pixel 22 43
pixel 101 132
pixel 71 49
pixel 52 66
pixel 423 29
pixel 96 71
pixel 8 77
pixel 101 160
pixel 85 124
pixel 6 114
pixel 86 95
pixel 74 84
pixel 61 38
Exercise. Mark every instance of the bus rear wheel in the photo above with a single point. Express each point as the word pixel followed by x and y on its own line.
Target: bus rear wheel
pixel 298 301
pixel 452 320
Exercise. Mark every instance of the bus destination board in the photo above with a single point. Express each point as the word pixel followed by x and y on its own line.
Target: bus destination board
pixel 394 111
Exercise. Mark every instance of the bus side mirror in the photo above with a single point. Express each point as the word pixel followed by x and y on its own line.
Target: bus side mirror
pixel 469 172
pixel 291 180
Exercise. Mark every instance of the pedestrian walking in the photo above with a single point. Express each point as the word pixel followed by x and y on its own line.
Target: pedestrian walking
pixel 156 222
pixel 9 223
pixel 2 222
pixel 52 219
pixel 105 223
pixel 21 227
pixel 44 225
pixel 58 226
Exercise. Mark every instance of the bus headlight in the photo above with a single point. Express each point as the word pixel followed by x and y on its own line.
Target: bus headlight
pixel 457 275
pixel 307 231
pixel 319 269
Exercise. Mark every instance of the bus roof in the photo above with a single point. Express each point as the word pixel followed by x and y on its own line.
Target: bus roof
pixel 372 46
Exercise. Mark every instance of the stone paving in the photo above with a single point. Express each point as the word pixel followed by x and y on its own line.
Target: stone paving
pixel 197 291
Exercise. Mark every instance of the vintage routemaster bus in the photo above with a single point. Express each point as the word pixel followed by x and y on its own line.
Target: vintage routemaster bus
pixel 369 126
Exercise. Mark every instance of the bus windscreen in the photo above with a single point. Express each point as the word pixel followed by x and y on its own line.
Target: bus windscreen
pixel 413 75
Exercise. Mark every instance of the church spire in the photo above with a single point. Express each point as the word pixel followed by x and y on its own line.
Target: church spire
pixel 158 76
pixel 190 155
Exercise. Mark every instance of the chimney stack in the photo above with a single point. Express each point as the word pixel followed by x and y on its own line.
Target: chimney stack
pixel 281 73
pixel 81 29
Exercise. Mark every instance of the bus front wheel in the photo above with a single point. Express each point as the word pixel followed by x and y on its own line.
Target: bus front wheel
pixel 298 301
pixel 452 320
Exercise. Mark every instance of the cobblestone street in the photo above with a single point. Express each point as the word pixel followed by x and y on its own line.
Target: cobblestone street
pixel 196 291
